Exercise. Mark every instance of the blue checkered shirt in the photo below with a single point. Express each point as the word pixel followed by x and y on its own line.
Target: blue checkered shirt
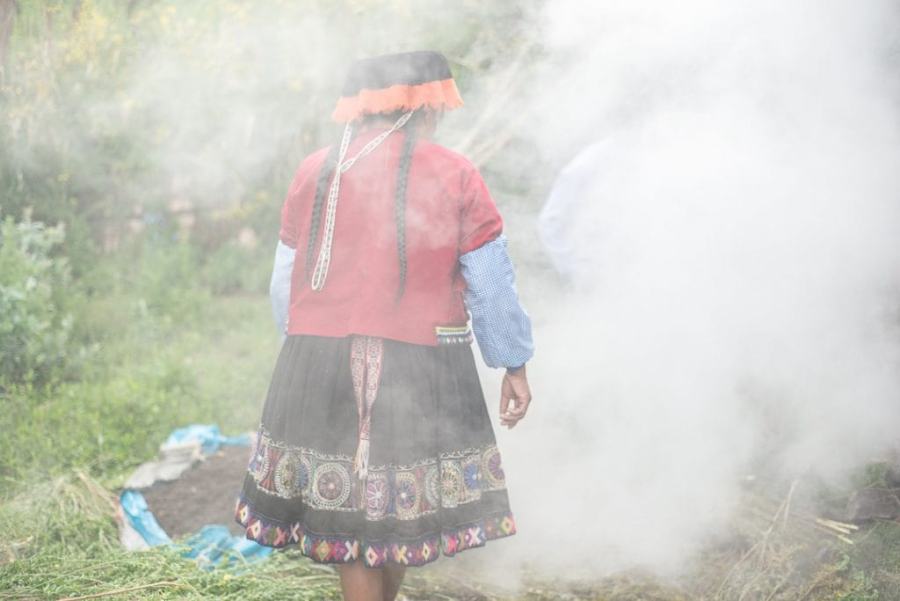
pixel 501 325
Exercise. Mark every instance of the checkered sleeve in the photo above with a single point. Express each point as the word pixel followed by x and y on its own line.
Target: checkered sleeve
pixel 280 285
pixel 501 325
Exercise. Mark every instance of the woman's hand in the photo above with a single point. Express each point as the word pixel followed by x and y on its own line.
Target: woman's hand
pixel 515 395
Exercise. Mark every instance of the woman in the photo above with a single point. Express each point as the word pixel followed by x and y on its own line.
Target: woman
pixel 375 449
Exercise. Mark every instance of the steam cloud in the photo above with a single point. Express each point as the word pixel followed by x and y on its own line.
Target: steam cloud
pixel 736 265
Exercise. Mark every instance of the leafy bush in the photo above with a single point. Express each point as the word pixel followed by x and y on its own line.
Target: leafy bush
pixel 34 330
pixel 165 280
pixel 233 268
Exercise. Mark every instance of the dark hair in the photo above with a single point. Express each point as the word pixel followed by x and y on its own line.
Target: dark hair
pixel 409 145
pixel 322 184
pixel 324 180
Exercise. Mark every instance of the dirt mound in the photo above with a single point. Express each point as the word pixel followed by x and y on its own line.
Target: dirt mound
pixel 205 494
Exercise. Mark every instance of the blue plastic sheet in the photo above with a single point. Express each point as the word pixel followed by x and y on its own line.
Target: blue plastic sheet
pixel 141 518
pixel 208 436
pixel 213 546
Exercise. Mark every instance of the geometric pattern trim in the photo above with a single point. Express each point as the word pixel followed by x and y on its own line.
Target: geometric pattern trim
pixel 335 549
pixel 402 492
pixel 453 335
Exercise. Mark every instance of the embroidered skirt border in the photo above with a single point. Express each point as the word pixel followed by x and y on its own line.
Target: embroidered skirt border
pixel 418 551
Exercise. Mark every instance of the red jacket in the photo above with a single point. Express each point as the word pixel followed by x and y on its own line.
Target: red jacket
pixel 449 212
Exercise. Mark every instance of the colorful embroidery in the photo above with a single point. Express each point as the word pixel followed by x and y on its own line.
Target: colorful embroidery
pixel 433 486
pixel 377 496
pixel 332 486
pixel 404 492
pixel 453 335
pixel 287 474
pixel 451 485
pixel 304 481
pixel 406 496
pixel 492 469
pixel 415 552
pixel 471 478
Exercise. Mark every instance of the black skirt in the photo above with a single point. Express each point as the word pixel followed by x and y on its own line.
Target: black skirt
pixel 434 482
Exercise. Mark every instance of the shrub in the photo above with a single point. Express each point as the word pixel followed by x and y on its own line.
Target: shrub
pixel 165 279
pixel 232 268
pixel 34 329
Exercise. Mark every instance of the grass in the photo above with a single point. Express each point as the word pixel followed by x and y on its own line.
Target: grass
pixel 60 541
pixel 144 384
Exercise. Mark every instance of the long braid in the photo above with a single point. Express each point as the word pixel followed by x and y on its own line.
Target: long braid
pixel 400 204
pixel 322 182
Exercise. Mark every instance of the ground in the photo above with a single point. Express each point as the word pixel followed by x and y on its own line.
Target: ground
pixel 204 495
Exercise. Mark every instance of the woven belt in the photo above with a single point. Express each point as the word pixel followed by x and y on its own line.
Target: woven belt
pixel 365 366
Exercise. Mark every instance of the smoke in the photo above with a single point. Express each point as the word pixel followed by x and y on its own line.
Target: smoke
pixel 234 93
pixel 233 97
pixel 732 241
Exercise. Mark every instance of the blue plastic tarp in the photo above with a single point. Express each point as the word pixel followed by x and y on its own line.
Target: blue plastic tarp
pixel 213 546
pixel 141 518
pixel 208 436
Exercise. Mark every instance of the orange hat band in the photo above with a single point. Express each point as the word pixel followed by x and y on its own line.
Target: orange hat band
pixel 439 94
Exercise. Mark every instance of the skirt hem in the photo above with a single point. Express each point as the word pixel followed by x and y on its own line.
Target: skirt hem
pixel 323 548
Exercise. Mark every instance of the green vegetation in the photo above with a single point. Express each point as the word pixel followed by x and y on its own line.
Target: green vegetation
pixel 60 541
pixel 34 329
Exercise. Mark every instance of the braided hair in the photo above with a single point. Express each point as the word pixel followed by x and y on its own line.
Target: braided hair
pixel 322 182
pixel 327 171
pixel 409 145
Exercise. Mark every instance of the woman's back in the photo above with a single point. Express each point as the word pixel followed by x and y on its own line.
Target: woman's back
pixel 447 212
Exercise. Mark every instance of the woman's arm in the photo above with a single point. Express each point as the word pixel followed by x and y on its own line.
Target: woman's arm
pixel 501 325
pixel 280 285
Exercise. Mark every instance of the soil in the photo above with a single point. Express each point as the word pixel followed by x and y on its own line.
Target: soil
pixel 205 494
